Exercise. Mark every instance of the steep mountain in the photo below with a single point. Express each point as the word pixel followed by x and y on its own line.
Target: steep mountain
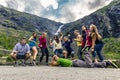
pixel 11 18
pixel 106 19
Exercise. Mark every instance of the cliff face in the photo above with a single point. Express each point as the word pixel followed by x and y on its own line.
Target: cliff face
pixel 106 19
pixel 14 19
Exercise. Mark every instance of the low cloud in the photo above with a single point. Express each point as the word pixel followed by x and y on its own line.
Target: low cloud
pixel 59 10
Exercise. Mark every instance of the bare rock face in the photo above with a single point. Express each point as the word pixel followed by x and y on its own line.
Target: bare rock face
pixel 18 20
pixel 107 22
pixel 114 16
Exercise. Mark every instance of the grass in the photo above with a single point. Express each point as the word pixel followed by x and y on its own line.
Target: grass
pixel 111 48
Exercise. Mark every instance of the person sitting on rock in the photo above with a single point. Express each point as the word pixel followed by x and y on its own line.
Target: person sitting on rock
pixel 21 51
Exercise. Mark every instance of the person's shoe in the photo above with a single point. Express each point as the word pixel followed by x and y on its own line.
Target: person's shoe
pixel 34 63
pixel 47 63
pixel 110 63
pixel 23 63
pixel 16 64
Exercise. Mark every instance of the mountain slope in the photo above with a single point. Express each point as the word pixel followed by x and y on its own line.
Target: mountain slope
pixel 14 19
pixel 106 19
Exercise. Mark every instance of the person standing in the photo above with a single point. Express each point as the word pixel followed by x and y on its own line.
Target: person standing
pixel 97 43
pixel 43 47
pixel 57 43
pixel 79 44
pixel 84 35
pixel 67 45
pixel 32 44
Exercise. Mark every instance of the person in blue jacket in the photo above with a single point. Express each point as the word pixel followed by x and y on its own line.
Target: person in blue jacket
pixel 67 44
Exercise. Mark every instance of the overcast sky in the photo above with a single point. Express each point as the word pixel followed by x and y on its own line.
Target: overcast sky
pixel 59 10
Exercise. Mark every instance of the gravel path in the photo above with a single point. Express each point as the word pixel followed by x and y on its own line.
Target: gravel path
pixel 57 73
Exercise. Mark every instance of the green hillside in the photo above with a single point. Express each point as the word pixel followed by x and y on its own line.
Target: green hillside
pixel 103 10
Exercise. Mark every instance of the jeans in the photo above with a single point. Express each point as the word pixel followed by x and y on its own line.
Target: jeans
pixel 97 51
pixel 88 62
pixel 59 52
pixel 44 51
pixel 79 53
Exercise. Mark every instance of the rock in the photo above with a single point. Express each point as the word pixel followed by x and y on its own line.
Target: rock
pixel 25 21
pixel 106 19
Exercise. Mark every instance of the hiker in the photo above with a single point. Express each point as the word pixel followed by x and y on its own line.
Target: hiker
pixel 57 43
pixel 67 44
pixel 88 43
pixel 97 43
pixel 43 47
pixel 21 51
pixel 32 44
pixel 56 61
pixel 79 44
pixel 84 35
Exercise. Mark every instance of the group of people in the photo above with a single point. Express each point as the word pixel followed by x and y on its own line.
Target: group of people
pixel 89 43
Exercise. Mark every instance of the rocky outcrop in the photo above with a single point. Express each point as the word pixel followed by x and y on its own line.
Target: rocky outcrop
pixel 24 21
pixel 107 21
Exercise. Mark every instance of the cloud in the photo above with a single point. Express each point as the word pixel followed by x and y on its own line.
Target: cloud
pixel 59 10
pixel 47 3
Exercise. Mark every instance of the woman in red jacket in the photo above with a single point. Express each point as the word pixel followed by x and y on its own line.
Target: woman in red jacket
pixel 43 47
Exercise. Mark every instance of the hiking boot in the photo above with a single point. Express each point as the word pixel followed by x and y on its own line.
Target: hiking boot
pixel 23 63
pixel 34 63
pixel 47 63
pixel 16 64
pixel 110 63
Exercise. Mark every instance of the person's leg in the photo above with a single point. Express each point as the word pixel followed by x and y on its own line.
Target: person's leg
pixel 13 55
pixel 100 46
pixel 68 54
pixel 94 54
pixel 65 53
pixel 43 52
pixel 100 64
pixel 47 55
pixel 80 53
pixel 27 56
pixel 56 52
pixel 35 52
pixel 72 55
pixel 79 63
pixel 88 59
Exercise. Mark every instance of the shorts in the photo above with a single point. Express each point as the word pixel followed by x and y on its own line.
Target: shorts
pixel 21 56
pixel 59 52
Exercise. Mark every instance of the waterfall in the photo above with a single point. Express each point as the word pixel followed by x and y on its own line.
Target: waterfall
pixel 59 30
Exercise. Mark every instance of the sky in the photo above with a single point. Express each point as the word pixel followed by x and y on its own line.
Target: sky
pixel 64 11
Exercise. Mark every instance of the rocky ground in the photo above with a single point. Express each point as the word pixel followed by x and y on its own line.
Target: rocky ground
pixel 57 73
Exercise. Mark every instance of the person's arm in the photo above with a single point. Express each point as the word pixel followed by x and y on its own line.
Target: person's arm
pixel 28 48
pixel 61 36
pixel 15 49
pixel 31 38
pixel 51 43
pixel 70 40
pixel 94 37
pixel 54 63
pixel 40 42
